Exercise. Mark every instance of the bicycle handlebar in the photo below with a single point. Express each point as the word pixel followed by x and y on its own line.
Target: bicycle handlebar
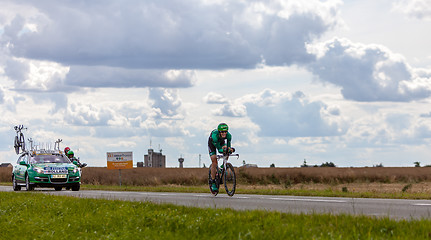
pixel 231 154
pixel 19 128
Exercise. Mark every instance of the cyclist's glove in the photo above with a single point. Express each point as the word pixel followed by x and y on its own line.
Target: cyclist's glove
pixel 232 150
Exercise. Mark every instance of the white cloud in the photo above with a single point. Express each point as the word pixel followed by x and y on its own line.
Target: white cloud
pixel 333 110
pixel 88 115
pixel 231 110
pixel 122 144
pixel 280 141
pixel 367 72
pixel 420 9
pixel 160 115
pixel 215 98
pixel 166 128
pixel 82 71
pixel 103 76
pixel 56 101
pixel 426 115
pixel 283 114
pixel 174 35
pixel 167 102
pixel 40 76
pixel 1 96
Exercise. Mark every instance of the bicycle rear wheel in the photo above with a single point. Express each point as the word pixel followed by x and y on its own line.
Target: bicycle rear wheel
pixel 230 180
pixel 16 145
pixel 22 141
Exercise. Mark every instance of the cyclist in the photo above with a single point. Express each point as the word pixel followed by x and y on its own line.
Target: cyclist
pixel 66 149
pixel 216 141
pixel 71 156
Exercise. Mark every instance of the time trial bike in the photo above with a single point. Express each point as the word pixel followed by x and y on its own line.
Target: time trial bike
pixel 225 174
pixel 19 142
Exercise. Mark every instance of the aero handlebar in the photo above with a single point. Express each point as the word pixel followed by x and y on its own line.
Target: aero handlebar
pixel 234 154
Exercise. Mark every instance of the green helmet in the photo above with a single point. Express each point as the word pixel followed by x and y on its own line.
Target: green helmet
pixel 70 152
pixel 222 127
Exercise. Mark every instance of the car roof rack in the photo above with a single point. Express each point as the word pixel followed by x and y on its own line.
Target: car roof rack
pixel 45 152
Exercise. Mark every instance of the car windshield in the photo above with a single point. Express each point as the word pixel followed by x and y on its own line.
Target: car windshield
pixel 49 159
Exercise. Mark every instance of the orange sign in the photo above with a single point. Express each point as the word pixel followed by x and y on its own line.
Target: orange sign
pixel 120 160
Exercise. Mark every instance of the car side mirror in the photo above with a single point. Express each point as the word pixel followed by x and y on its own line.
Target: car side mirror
pixel 22 163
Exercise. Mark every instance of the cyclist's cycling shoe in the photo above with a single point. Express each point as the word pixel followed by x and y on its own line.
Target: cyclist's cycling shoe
pixel 214 187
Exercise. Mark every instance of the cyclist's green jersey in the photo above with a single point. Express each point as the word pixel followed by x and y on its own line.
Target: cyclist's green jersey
pixel 218 142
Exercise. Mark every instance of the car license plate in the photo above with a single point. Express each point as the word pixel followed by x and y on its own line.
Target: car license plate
pixel 58 176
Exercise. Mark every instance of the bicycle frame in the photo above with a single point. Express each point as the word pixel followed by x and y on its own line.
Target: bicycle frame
pixel 225 159
pixel 221 175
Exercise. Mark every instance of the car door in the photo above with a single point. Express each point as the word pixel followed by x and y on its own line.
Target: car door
pixel 19 169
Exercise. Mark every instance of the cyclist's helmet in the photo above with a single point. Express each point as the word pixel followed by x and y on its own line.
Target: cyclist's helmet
pixel 70 153
pixel 66 149
pixel 222 127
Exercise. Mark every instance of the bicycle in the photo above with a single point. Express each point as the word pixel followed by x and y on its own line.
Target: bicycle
pixel 225 174
pixel 19 142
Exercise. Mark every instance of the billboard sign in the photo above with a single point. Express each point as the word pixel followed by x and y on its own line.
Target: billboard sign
pixel 119 160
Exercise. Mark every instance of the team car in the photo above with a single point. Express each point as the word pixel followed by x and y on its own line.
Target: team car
pixel 45 168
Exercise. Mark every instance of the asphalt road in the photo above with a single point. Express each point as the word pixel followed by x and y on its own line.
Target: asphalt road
pixel 393 208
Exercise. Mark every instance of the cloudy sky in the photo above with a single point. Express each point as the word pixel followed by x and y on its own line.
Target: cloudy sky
pixel 347 82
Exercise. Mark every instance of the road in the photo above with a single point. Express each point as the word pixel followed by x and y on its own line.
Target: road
pixel 393 208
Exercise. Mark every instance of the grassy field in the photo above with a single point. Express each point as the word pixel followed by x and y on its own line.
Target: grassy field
pixel 252 176
pixel 39 216
pixel 258 176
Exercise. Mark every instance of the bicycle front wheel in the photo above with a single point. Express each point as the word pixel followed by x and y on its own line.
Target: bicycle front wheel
pixel 16 145
pixel 229 180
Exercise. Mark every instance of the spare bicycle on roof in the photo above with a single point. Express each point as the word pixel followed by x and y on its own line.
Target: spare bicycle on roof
pixel 19 143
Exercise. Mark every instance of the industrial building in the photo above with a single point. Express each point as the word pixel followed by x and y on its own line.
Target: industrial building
pixel 154 159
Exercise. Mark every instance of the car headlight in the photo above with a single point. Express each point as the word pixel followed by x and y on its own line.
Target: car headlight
pixel 38 169
pixel 73 169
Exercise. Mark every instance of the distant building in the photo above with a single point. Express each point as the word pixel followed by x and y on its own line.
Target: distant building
pixel 155 159
pixel 181 160
pixel 6 165
pixel 248 165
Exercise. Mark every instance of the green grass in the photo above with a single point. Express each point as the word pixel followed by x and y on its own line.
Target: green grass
pixel 39 216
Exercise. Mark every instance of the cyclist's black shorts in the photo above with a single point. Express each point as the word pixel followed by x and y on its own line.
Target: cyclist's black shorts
pixel 211 147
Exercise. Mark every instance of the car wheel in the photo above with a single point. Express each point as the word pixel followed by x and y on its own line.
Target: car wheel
pixel 15 184
pixel 28 186
pixel 57 188
pixel 76 188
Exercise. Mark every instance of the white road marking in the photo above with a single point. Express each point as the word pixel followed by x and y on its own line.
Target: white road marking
pixel 201 195
pixel 422 204
pixel 308 200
